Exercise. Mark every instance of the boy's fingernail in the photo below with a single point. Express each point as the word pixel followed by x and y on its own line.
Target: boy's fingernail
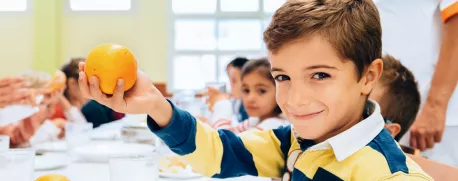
pixel 120 82
pixel 92 80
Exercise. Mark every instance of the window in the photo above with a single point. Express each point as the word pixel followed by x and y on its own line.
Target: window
pixel 100 5
pixel 208 34
pixel 13 5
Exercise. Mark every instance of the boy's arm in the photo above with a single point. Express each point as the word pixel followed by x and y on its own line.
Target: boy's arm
pixel 222 154
pixel 429 125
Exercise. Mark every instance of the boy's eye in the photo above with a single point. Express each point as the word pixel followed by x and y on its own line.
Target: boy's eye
pixel 281 78
pixel 246 91
pixel 320 76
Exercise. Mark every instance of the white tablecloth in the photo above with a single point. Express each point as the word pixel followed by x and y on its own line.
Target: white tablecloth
pixel 100 172
pixel 83 171
pixel 89 172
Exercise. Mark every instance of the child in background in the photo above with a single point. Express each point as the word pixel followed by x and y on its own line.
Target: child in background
pixel 258 97
pixel 74 107
pixel 398 96
pixel 69 104
pixel 399 99
pixel 52 87
pixel 233 70
pixel 23 131
pixel 325 58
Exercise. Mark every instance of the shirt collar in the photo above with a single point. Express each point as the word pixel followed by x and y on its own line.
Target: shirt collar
pixel 351 140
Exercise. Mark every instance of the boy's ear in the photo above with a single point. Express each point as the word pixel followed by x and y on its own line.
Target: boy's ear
pixel 393 128
pixel 371 76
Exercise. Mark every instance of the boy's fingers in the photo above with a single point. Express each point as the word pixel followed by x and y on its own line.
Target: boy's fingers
pixel 84 86
pixel 117 100
pixel 96 93
pixel 81 66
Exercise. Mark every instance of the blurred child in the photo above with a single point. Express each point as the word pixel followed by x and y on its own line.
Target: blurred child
pixel 398 96
pixel 233 70
pixel 74 107
pixel 399 99
pixel 258 96
pixel 69 104
pixel 51 87
pixel 24 121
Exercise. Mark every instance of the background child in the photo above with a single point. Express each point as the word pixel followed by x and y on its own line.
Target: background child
pixel 23 130
pixel 258 97
pixel 73 106
pixel 398 96
pixel 234 69
pixel 399 99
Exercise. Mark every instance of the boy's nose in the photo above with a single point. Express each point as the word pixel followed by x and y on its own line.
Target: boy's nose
pixel 297 96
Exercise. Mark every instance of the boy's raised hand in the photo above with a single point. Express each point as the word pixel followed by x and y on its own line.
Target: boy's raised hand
pixel 142 98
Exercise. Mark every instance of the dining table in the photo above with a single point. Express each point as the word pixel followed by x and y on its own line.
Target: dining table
pixel 78 170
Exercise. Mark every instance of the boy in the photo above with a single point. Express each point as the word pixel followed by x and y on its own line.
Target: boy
pixel 398 96
pixel 325 57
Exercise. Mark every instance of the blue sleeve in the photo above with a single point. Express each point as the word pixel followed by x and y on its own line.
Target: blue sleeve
pixel 221 154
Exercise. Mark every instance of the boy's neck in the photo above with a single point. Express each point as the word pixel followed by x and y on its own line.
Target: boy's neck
pixel 360 115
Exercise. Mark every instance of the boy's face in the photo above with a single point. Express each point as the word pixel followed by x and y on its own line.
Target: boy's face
pixel 234 74
pixel 317 90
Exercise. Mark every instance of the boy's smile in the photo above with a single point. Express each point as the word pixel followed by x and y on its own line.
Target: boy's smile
pixel 317 89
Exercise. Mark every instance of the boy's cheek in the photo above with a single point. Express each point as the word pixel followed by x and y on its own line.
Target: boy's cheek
pixel 281 95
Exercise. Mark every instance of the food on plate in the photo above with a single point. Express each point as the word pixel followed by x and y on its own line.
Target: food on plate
pixel 52 177
pixel 172 164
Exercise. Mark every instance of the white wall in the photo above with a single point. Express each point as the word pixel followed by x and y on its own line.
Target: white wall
pixel 143 30
pixel 16 42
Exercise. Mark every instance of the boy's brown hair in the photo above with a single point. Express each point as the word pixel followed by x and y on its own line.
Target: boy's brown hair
pixel 401 100
pixel 352 27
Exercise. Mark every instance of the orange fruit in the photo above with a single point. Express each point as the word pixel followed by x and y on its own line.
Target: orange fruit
pixel 58 81
pixel 52 177
pixel 109 63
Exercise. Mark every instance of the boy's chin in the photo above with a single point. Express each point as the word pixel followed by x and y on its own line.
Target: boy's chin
pixel 308 134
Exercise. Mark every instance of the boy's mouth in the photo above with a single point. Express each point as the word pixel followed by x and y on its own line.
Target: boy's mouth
pixel 306 116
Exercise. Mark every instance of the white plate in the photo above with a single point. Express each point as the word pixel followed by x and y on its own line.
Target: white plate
pixel 50 162
pixel 56 146
pixel 102 152
pixel 105 135
pixel 179 175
